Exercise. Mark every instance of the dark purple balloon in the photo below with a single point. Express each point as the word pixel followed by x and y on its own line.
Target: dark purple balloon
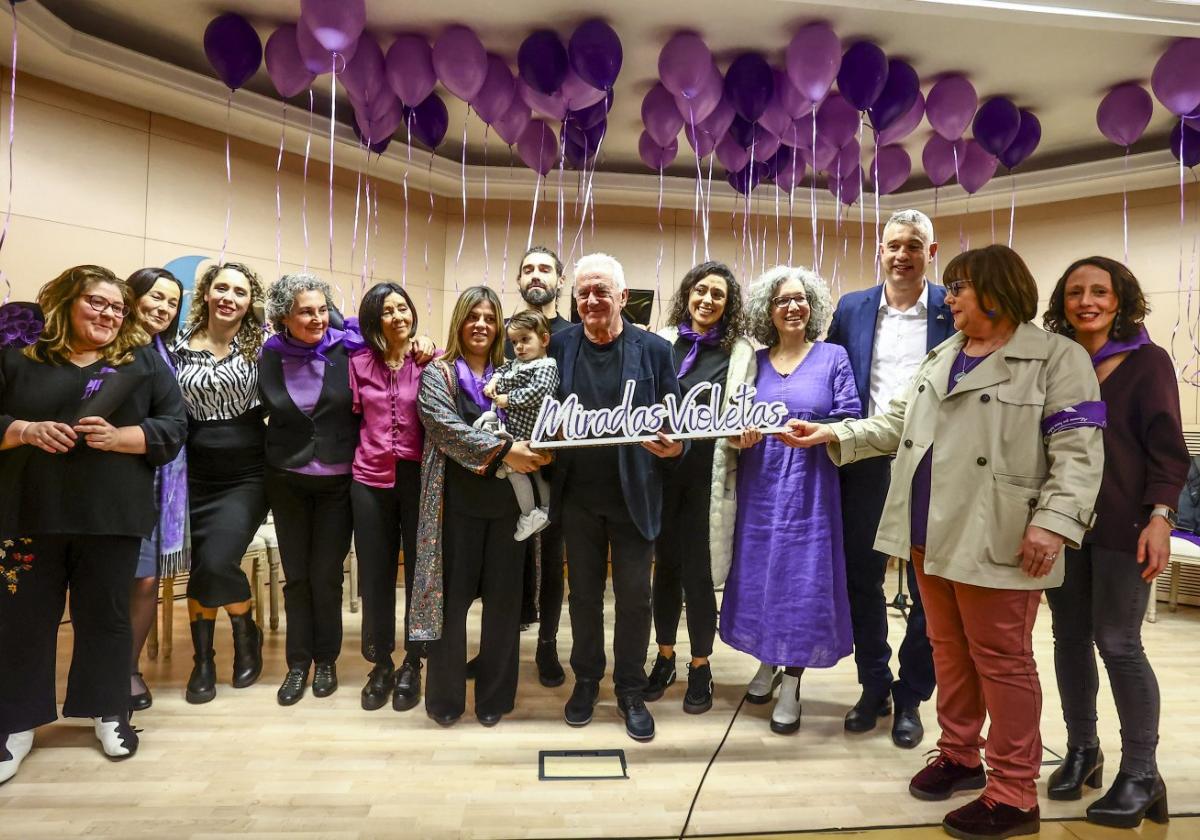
pixel 595 53
pixel 741 132
pixel 1176 77
pixel 1185 144
pixel 574 155
pixel 588 117
pixel 747 178
pixel 430 121
pixel 1023 145
pixel 899 93
pixel 542 61
pixel 233 49
pixel 588 138
pixel 749 85
pixel 996 125
pixel 654 155
pixel 863 74
pixel 789 169
pixel 904 126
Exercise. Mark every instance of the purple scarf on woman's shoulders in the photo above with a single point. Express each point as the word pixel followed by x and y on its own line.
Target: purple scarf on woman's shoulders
pixel 1113 347
pixel 285 345
pixel 171 531
pixel 710 338
pixel 473 385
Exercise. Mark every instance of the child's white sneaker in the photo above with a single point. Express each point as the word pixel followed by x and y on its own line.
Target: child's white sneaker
pixel 530 523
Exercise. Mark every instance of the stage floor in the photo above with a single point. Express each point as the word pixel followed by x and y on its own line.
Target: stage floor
pixel 242 765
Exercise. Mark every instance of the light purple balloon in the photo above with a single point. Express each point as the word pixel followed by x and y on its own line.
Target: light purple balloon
pixel 847 160
pixel 790 172
pixel 906 125
pixel 732 156
pixel 1176 77
pixel 499 88
pixel 938 158
pixel 578 94
pixel 386 124
pixel 893 166
pixel 847 189
pixel 316 58
pixel 824 155
pixel 701 106
pixel 685 64
pixel 799 134
pixel 951 105
pixel 765 144
pixel 660 116
pixel 788 97
pixel 538 147
pixel 460 61
pixel 717 123
pixel 813 58
pixel 1124 113
pixel 364 75
pixel 976 167
pixel 702 142
pixel 654 155
pixel 336 24
pixel 409 65
pixel 284 64
pixel 551 107
pixel 775 119
pixel 837 120
pixel 513 122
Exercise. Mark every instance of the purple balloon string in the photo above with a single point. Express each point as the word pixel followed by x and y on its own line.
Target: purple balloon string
pixel 375 226
pixel 364 143
pixel 878 263
pixel 279 197
pixel 362 272
pixel 228 181
pixel 954 151
pixel 791 207
pixel 486 259
pixel 1179 277
pixel 508 223
pixel 12 115
pixel 560 213
pixel 429 218
pixel 1125 202
pixel 404 253
pixel 1012 206
pixel 936 271
pixel 708 207
pixel 537 189
pixel 992 216
pixel 778 236
pixel 818 255
pixel 658 264
pixel 332 136
pixel 304 193
pixel 462 238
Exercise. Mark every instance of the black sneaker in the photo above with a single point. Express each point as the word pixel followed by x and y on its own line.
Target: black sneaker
pixel 379 685
pixel 325 679
pixel 639 723
pixel 699 696
pixel 408 685
pixel 661 676
pixel 294 683
pixel 578 711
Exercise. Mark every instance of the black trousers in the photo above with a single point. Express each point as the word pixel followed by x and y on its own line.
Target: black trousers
pixel 548 609
pixel 594 524
pixel 97 574
pixel 864 489
pixel 682 560
pixel 479 558
pixel 385 519
pixel 313 524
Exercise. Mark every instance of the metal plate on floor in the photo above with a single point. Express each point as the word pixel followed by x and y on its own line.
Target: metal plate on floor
pixel 576 765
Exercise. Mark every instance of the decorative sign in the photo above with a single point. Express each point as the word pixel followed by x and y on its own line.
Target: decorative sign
pixel 698 414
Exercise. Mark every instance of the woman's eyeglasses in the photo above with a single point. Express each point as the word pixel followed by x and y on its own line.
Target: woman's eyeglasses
pixel 786 302
pixel 955 287
pixel 102 305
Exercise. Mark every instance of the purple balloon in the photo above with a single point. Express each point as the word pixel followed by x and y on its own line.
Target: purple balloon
pixel 1185 144
pixel 789 170
pixel 574 156
pixel 685 64
pixel 499 88
pixel 747 178
pixel 284 64
pixel 378 147
pixel 654 155
pixel 430 121
pixel 701 106
pixel 837 120
pixel 316 58
pixel 364 75
pixel 1023 145
pixel 813 58
pixel 233 49
pixel 788 98
pixel 976 167
pixel 513 122
pixel 595 53
pixel 950 105
pixel 410 72
pixel 538 147
pixel 587 138
pixel 717 123
pixel 890 169
pixel 742 132
pixel 660 116
pixel 702 142
pixel 941 157
pixel 846 160
pixel 587 117
pixel 460 61
pixel 749 85
pixel 551 107
pixel 731 155
pixel 863 74
pixel 386 124
pixel 900 92
pixel 578 94
pixel 775 119
pixel 799 134
pixel 1124 113
pixel 906 125
pixel 848 189
pixel 336 24
pixel 824 155
pixel 542 61
pixel 765 144
pixel 996 125
pixel 1176 77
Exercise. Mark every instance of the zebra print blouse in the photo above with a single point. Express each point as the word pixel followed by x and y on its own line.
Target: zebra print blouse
pixel 215 389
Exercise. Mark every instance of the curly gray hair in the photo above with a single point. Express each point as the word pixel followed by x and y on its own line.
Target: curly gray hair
pixel 758 307
pixel 282 295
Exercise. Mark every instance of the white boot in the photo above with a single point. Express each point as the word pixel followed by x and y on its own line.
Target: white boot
pixel 785 718
pixel 116 736
pixel 763 685
pixel 13 748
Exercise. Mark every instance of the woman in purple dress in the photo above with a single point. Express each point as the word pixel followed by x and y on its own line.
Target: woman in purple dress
pixel 785 599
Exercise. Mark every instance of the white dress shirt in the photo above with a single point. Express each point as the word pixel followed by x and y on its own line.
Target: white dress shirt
pixel 899 349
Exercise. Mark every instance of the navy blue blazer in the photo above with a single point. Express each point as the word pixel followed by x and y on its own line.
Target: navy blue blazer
pixel 648 360
pixel 853 327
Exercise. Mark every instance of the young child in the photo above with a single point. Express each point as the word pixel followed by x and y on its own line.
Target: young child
pixel 518 388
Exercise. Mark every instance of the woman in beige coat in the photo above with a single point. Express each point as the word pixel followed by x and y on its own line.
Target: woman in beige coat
pixel 1016 416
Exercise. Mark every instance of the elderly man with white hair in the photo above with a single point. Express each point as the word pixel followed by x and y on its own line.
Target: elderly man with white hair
pixel 610 497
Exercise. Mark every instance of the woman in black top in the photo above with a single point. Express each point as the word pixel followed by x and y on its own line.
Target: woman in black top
pixel 86 414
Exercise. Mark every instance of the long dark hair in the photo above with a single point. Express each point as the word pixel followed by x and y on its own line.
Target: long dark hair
pixel 143 280
pixel 370 314
pixel 732 318
pixel 1131 303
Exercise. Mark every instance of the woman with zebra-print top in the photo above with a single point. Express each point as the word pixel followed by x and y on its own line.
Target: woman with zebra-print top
pixel 218 373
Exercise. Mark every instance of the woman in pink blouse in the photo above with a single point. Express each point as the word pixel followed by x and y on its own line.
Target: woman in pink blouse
pixel 385 493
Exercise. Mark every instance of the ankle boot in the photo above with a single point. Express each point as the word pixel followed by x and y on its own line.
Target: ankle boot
pixel 1080 766
pixel 247 650
pixel 1129 799
pixel 202 684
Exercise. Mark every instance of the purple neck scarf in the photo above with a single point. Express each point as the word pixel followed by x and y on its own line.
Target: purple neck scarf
pixel 710 338
pixel 473 385
pixel 1112 347
pixel 285 345
pixel 171 529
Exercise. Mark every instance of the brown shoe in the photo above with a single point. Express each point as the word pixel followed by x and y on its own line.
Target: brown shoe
pixel 984 819
pixel 942 777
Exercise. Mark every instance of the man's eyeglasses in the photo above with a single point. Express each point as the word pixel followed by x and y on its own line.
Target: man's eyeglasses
pixel 955 287
pixel 786 302
pixel 102 304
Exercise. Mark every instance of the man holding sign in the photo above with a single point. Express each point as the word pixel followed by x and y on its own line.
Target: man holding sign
pixel 610 497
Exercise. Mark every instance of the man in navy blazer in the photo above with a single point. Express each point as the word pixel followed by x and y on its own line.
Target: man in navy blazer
pixel 610 497
pixel 887 330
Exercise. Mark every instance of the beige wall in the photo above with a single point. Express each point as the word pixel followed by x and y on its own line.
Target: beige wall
pixel 97 181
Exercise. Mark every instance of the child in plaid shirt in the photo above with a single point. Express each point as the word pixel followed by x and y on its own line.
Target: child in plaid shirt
pixel 518 388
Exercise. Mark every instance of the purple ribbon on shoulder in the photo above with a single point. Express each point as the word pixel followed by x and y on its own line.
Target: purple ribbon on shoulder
pixel 285 345
pixel 1113 347
pixel 710 338
pixel 472 384
pixel 1076 416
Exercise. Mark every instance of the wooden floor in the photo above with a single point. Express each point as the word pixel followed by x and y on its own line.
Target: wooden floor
pixel 242 765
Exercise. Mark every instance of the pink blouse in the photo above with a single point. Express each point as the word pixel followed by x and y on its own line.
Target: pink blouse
pixel 391 430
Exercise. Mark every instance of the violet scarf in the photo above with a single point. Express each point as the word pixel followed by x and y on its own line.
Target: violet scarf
pixel 472 385
pixel 1113 347
pixel 287 346
pixel 171 532
pixel 710 338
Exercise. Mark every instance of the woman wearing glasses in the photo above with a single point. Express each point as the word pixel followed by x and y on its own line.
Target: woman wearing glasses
pixel 984 513
pixel 785 598
pixel 87 412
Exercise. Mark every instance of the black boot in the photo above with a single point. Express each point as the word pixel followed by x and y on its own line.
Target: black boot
pixel 408 684
pixel 550 670
pixel 1080 766
pixel 247 650
pixel 1129 799
pixel 202 684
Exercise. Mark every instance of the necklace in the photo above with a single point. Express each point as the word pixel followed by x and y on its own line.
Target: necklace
pixel 969 363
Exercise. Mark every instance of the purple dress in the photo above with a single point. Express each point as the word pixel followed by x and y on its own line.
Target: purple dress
pixel 785 599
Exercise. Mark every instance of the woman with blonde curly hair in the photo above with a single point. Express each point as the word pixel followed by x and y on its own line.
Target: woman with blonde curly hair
pixel 217 365
pixel 87 412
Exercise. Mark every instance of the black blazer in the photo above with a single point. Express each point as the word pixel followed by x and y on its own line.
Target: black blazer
pixel 295 438
pixel 649 361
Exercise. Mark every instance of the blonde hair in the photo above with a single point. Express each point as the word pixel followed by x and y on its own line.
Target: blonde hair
pixel 56 299
pixel 468 300
pixel 250 333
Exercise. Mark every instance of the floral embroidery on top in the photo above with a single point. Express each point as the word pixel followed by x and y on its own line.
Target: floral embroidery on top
pixel 14 561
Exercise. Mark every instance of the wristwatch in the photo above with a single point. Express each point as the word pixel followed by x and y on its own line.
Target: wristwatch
pixel 1167 514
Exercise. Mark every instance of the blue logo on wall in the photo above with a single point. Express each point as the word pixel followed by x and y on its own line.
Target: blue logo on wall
pixel 184 269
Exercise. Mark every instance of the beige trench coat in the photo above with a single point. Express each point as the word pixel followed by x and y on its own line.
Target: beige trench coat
pixel 993 471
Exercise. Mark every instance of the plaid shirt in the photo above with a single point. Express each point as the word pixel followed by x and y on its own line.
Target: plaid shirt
pixel 526 384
